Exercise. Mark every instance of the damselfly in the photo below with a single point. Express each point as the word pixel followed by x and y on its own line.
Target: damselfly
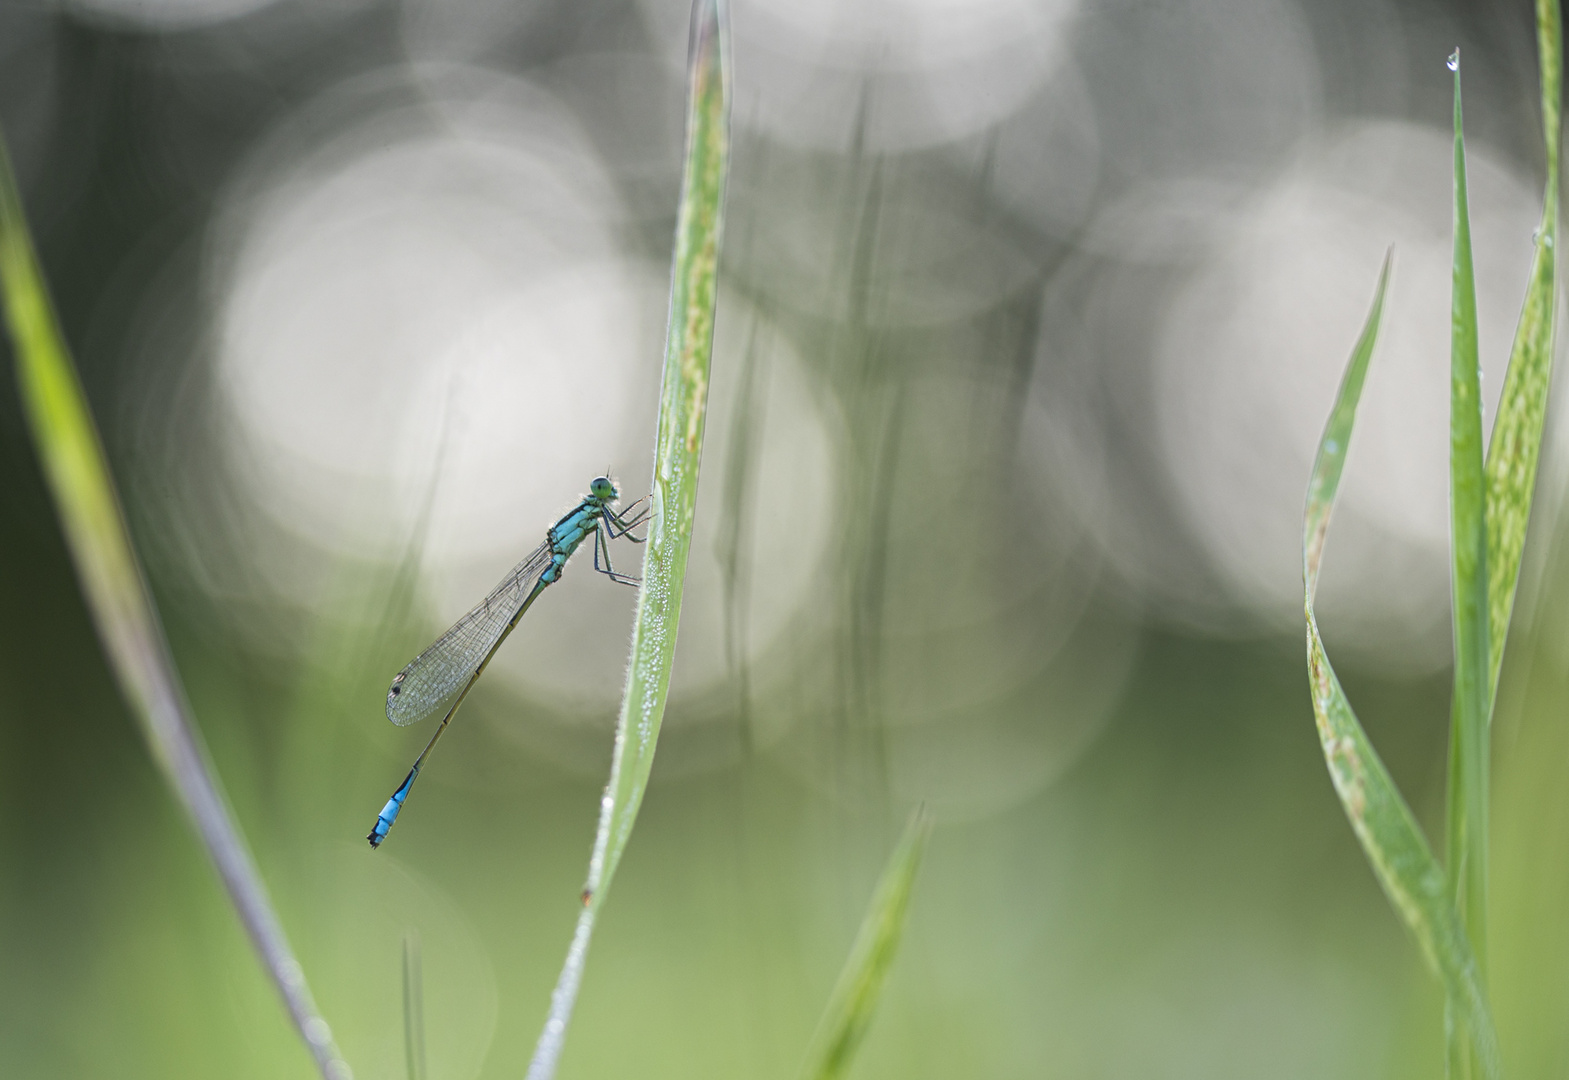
pixel 442 675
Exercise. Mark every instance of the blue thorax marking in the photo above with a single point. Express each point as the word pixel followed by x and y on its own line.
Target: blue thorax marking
pixel 566 534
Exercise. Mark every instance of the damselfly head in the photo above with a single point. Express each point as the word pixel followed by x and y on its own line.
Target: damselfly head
pixel 602 488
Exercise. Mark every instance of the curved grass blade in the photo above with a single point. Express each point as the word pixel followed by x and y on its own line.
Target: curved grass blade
pixel 1469 765
pixel 116 593
pixel 854 999
pixel 1383 823
pixel 1515 448
pixel 673 496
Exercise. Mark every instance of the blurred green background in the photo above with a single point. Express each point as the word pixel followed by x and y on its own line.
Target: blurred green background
pixel 1031 316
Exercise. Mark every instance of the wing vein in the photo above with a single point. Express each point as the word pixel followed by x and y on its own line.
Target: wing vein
pixel 436 675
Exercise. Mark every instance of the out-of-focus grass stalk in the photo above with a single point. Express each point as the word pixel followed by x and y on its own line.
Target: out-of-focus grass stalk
pixel 1466 820
pixel 116 593
pixel 1513 452
pixel 413 1008
pixel 673 496
pixel 1383 823
pixel 849 1013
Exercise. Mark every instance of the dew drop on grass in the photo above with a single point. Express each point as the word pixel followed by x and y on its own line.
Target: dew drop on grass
pixel 1454 60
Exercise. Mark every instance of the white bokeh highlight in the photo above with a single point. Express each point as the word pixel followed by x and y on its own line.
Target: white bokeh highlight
pixel 431 338
pixel 895 74
pixel 1253 348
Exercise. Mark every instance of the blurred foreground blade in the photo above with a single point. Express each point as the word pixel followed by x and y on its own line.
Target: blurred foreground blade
pixel 113 586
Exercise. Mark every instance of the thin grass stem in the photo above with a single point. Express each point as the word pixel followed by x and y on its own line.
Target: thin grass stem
pixel 79 480
pixel 848 1015
pixel 673 493
pixel 413 1008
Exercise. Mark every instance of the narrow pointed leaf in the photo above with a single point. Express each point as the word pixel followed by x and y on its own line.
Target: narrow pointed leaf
pixel 1469 766
pixel 673 495
pixel 854 999
pixel 1384 825
pixel 1515 448
pixel 78 478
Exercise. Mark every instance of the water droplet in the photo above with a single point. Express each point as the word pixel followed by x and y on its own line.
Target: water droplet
pixel 1454 60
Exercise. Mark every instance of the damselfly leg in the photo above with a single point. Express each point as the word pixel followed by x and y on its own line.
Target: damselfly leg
pixel 602 543
pixel 619 526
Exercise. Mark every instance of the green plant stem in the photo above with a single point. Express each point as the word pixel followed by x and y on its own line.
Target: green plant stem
pixel 78 478
pixel 673 496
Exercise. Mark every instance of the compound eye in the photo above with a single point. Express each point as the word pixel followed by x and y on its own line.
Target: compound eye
pixel 602 488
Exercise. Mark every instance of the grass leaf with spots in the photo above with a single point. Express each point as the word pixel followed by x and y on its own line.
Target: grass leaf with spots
pixel 1516 444
pixel 678 449
pixel 1383 823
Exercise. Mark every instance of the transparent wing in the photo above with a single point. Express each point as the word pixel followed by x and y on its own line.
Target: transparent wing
pixel 436 675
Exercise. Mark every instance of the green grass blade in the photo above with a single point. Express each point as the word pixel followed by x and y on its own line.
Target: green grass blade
pixel 1331 460
pixel 78 477
pixel 677 451
pixel 854 999
pixel 1469 768
pixel 1383 823
pixel 1516 445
